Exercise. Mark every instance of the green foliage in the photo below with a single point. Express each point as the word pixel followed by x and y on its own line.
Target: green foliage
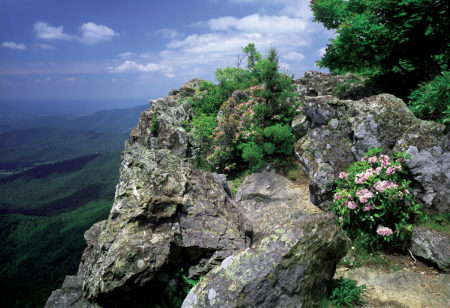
pixel 398 44
pixel 373 199
pixel 45 212
pixel 154 127
pixel 281 138
pixel 253 127
pixel 440 223
pixel 359 255
pixel 432 100
pixel 253 56
pixel 39 251
pixel 253 154
pixel 177 289
pixel 346 293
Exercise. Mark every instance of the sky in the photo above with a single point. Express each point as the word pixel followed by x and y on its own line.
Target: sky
pixel 116 49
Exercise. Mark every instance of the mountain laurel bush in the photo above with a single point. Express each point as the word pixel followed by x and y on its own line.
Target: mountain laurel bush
pixel 373 199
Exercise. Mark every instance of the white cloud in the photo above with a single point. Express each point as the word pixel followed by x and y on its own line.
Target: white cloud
pixel 126 55
pixel 14 45
pixel 132 66
pixel 48 32
pixel 42 80
pixel 167 33
pixel 89 33
pixel 70 79
pixel 259 24
pixel 293 56
pixel 45 46
pixel 92 33
pixel 320 52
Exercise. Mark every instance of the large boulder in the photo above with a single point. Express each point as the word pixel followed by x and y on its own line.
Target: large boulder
pixel 70 295
pixel 291 267
pixel 267 200
pixel 340 131
pixel 431 245
pixel 166 215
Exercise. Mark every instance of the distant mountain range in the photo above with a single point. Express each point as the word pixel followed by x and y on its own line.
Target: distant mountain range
pixel 110 121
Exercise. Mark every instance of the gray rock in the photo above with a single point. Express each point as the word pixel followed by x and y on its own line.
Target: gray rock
pixel 166 215
pixel 300 125
pixel 291 267
pixel 402 289
pixel 71 295
pixel 268 200
pixel 431 245
pixel 341 131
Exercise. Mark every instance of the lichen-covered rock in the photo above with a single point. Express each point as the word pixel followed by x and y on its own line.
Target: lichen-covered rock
pixel 405 288
pixel 349 86
pixel 291 267
pixel 431 245
pixel 71 295
pixel 267 200
pixel 341 131
pixel 166 215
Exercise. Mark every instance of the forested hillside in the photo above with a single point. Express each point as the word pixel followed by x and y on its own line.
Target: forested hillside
pixel 54 184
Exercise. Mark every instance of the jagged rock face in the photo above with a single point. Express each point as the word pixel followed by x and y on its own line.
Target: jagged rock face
pixel 166 214
pixel 70 295
pixel 431 245
pixel 349 86
pixel 289 268
pixel 268 200
pixel 341 131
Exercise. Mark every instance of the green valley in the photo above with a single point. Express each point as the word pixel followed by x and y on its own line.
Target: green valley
pixel 55 183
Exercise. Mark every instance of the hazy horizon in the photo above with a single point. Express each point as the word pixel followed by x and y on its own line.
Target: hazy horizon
pixel 64 108
pixel 59 50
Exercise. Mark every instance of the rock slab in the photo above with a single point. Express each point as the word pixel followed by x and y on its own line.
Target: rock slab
pixel 291 267
pixel 267 200
pixel 431 245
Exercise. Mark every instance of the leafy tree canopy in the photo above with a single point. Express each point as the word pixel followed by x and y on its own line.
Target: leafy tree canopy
pixel 398 44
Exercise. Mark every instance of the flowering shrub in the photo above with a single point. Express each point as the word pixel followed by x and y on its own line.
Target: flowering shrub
pixel 373 199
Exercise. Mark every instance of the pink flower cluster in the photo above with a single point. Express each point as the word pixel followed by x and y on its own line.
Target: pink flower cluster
pixel 343 175
pixel 257 88
pixel 364 195
pixel 368 207
pixel 384 231
pixel 351 205
pixel 381 186
pixel 384 160
pixel 361 177
pixel 373 159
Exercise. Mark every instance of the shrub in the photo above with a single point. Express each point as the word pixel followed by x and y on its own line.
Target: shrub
pixel 432 100
pixel 252 154
pixel 373 200
pixel 177 289
pixel 154 127
pixel 346 293
pixel 281 137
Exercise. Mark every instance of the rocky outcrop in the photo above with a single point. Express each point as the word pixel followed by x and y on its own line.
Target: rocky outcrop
pixel 291 267
pixel 405 288
pixel 169 215
pixel 267 200
pixel 333 133
pixel 431 245
pixel 71 295
pixel 166 215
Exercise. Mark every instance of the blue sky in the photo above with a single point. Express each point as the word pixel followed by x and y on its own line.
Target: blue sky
pixel 96 49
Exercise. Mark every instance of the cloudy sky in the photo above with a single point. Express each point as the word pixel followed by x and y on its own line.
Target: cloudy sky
pixel 98 49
